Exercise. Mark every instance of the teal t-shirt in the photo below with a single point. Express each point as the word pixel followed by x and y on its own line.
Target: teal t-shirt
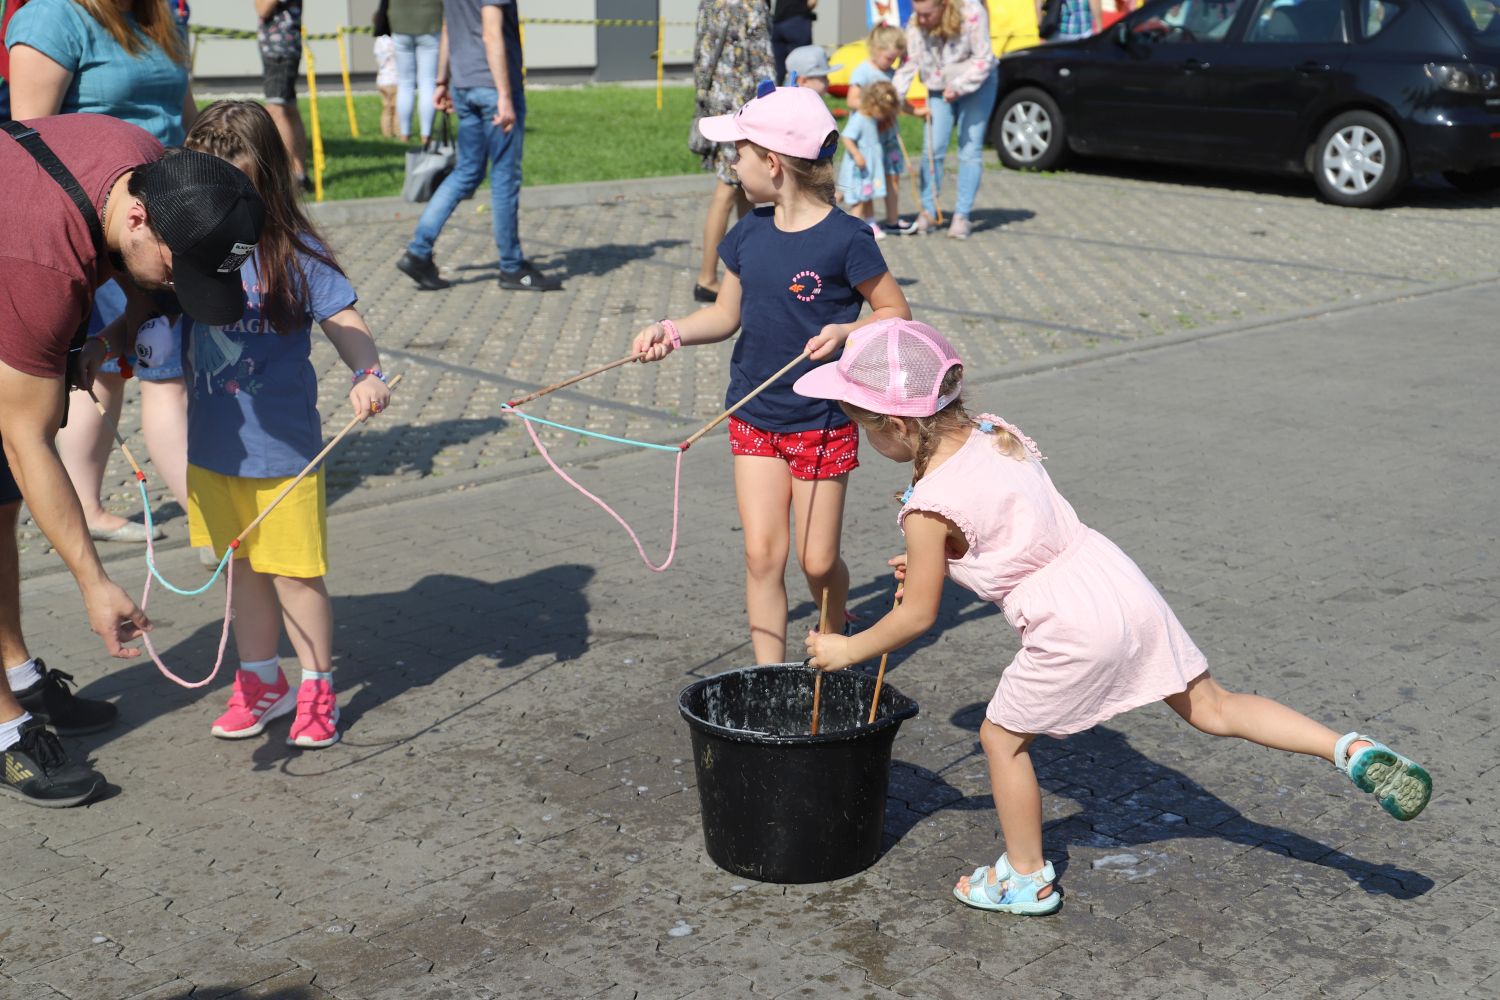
pixel 146 89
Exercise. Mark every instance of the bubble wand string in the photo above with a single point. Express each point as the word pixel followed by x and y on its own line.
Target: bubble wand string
pixel 226 564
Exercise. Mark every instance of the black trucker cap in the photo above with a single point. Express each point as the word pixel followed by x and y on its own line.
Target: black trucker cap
pixel 207 213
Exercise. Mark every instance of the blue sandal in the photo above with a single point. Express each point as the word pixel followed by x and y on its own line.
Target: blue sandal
pixel 1401 784
pixel 1012 891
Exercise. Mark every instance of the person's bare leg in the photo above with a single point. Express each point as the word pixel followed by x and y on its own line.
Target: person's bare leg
pixel 164 427
pixel 818 510
pixel 1018 800
pixel 1209 708
pixel 86 443
pixel 13 651
pixel 892 199
pixel 289 125
pixel 763 490
pixel 257 614
pixel 715 225
pixel 307 613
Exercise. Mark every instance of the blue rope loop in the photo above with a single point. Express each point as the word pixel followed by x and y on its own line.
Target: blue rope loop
pixel 587 433
pixel 151 561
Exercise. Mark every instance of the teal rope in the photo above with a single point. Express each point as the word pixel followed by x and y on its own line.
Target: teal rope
pixel 580 430
pixel 151 559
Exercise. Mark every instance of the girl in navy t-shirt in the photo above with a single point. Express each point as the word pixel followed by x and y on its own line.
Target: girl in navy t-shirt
pixel 799 274
pixel 253 424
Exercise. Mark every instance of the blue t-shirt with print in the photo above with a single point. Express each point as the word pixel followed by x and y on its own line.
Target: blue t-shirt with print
pixel 146 89
pixel 792 285
pixel 252 391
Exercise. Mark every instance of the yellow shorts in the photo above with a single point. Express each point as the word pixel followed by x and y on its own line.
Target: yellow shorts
pixel 292 541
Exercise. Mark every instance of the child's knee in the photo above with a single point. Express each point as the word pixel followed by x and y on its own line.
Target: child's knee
pixel 765 560
pixel 1000 743
pixel 820 567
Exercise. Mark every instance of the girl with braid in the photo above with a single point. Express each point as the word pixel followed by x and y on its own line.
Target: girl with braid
pixel 1096 637
pixel 253 424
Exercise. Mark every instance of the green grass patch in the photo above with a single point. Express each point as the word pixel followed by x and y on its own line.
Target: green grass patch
pixel 573 135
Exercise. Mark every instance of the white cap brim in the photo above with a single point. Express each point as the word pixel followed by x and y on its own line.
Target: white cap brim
pixel 824 382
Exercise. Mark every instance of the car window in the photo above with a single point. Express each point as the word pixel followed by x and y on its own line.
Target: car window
pixel 1375 16
pixel 1187 21
pixel 1297 22
pixel 1474 18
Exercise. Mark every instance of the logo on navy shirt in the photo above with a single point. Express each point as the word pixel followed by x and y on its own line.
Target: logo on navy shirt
pixel 806 286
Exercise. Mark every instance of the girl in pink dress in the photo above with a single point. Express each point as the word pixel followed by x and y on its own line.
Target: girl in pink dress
pixel 1096 637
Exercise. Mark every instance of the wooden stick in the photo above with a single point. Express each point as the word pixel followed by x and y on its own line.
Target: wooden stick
pixel 818 677
pixel 880 677
pixel 716 421
pixel 303 474
pixel 569 381
pixel 932 165
pixel 115 429
pixel 915 189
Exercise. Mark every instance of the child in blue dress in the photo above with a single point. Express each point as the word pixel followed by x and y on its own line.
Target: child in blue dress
pixel 887 46
pixel 868 170
pixel 253 424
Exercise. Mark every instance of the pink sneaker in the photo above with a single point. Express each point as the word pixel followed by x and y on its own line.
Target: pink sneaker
pixel 317 723
pixel 253 704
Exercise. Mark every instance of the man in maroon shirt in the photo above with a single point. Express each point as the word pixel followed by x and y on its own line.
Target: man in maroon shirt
pixel 178 221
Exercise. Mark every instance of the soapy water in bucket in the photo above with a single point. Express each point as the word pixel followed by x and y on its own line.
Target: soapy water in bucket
pixel 777 703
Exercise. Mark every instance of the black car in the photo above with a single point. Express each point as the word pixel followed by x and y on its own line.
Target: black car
pixel 1362 94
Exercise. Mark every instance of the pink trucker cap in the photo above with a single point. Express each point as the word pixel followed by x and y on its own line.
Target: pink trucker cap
pixel 895 367
pixel 792 121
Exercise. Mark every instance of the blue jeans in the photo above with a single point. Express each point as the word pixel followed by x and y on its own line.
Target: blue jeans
pixel 973 112
pixel 480 143
pixel 416 72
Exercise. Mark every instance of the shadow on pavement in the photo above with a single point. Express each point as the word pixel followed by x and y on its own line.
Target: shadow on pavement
pixel 1162 804
pixel 388 448
pixel 385 644
pixel 574 262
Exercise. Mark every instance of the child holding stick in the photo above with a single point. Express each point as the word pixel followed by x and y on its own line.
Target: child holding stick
pixel 253 424
pixel 1097 639
pixel 798 275
pixel 867 172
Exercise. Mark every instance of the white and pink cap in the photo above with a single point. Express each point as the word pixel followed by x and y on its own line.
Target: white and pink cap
pixel 792 121
pixel 895 367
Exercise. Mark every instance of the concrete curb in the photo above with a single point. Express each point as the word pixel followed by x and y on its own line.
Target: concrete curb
pixel 365 210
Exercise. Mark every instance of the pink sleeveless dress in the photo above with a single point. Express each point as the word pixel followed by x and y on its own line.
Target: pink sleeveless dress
pixel 1096 637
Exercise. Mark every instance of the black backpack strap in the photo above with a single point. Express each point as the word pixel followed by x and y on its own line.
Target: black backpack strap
pixel 42 153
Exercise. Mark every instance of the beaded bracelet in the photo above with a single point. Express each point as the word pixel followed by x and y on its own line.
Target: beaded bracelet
pixel 368 371
pixel 673 336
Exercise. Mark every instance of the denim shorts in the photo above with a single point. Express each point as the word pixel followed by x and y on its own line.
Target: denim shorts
pixel 281 79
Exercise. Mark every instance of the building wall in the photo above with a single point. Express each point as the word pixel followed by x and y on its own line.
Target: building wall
pixel 548 46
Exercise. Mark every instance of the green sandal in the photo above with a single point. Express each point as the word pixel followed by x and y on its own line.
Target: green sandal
pixel 1019 894
pixel 1401 784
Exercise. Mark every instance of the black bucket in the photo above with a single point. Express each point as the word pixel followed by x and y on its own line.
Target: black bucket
pixel 779 804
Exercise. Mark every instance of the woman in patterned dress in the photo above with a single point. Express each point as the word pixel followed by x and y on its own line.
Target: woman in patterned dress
pixel 731 55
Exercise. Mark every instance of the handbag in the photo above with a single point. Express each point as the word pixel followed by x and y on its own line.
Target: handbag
pixel 427 167
pixel 1051 18
pixel 697 142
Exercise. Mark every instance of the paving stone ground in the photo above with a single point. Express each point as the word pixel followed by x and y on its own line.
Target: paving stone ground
pixel 513 811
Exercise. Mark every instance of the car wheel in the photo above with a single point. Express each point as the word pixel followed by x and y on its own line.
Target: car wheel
pixel 1029 133
pixel 1358 160
pixel 1475 181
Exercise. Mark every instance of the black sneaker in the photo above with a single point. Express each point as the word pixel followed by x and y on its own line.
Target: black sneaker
pixel 52 703
pixel 421 270
pixel 528 279
pixel 37 770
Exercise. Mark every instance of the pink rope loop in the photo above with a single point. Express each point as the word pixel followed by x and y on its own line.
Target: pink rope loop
pixel 676 496
pixel 223 636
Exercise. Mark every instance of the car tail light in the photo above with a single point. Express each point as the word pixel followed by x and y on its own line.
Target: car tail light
pixel 1463 78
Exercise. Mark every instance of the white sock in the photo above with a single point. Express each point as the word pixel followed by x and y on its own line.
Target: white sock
pixel 266 670
pixel 24 676
pixel 314 675
pixel 10 732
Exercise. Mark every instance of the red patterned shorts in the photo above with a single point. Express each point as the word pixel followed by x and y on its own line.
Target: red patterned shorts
pixel 815 454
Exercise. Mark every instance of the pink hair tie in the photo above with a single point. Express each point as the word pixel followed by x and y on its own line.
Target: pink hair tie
pixel 670 329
